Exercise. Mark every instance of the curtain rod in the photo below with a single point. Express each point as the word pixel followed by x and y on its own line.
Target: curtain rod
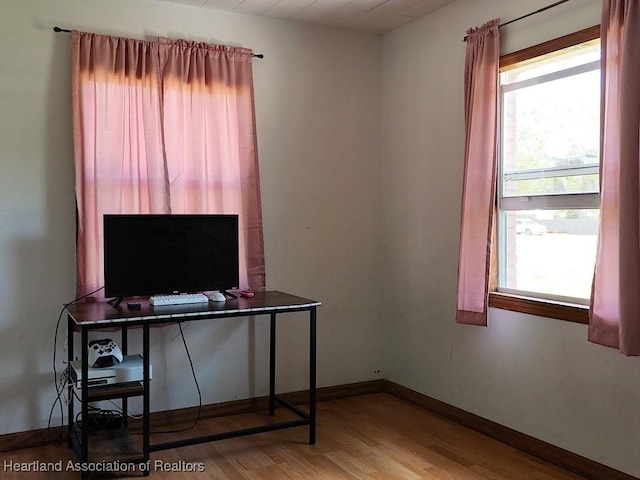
pixel 58 29
pixel 527 15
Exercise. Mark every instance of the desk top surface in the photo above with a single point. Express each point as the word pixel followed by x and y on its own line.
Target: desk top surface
pixel 102 313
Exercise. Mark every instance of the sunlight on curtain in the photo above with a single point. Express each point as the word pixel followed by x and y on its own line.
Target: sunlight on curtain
pixel 209 88
pixel 118 146
pixel 164 127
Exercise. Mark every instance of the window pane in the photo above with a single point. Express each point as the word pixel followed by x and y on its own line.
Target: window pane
pixel 549 173
pixel 549 251
pixel 551 126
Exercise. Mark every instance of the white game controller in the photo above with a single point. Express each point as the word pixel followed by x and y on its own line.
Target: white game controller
pixel 104 353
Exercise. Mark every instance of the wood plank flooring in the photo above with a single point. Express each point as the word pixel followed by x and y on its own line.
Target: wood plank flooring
pixel 368 437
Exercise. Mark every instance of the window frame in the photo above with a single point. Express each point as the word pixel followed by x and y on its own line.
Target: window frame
pixel 516 302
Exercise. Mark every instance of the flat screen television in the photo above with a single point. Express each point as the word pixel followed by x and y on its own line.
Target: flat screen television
pixel 163 254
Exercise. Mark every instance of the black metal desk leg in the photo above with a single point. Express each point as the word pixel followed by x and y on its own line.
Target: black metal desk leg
pixel 70 413
pixel 272 365
pixel 145 397
pixel 312 376
pixel 124 346
pixel 84 435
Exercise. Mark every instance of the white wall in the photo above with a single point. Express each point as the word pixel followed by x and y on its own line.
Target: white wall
pixel 336 224
pixel 535 375
pixel 318 104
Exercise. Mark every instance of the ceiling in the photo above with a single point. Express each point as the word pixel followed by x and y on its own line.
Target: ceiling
pixel 372 16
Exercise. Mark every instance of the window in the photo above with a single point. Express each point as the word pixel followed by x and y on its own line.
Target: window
pixel 549 148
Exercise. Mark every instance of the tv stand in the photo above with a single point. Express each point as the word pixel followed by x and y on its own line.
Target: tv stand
pixel 83 318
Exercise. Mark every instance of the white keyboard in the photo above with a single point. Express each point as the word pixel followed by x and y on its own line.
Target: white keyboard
pixel 159 300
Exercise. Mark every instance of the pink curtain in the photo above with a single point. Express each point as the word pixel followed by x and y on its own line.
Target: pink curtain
pixel 118 145
pixel 478 195
pixel 615 300
pixel 210 140
pixel 164 127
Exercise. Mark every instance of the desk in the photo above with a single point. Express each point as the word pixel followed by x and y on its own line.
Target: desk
pixel 85 317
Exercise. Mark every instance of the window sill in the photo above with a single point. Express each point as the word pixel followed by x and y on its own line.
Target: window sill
pixel 543 308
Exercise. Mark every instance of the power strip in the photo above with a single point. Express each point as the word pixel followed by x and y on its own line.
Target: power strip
pixel 104 421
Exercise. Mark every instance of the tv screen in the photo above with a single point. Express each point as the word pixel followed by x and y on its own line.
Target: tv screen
pixel 163 254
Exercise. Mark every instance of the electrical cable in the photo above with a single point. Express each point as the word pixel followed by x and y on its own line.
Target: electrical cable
pixel 60 387
pixel 62 383
pixel 195 379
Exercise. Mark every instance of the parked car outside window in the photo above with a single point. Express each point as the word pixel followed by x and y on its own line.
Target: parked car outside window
pixel 529 227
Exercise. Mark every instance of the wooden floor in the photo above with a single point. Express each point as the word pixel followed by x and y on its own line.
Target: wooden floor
pixel 370 437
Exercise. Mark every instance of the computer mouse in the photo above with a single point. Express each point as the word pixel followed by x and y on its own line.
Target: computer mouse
pixel 217 297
